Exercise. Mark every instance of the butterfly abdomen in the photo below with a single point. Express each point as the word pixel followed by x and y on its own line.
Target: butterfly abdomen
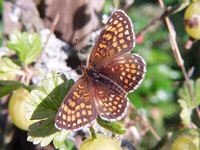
pixel 99 78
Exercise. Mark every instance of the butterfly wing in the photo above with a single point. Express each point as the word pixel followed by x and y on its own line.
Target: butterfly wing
pixel 127 71
pixel 116 37
pixel 109 104
pixel 77 109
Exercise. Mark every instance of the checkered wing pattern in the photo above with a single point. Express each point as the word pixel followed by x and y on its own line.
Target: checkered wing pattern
pixel 112 73
pixel 77 109
pixel 127 70
pixel 116 37
pixel 110 105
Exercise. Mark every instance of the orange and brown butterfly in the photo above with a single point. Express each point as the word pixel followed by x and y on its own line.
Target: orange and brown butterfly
pixel 111 74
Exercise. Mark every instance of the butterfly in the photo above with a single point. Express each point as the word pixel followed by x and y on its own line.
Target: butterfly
pixel 111 74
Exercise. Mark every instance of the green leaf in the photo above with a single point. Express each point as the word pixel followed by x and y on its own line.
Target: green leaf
pixel 112 126
pixel 185 95
pixel 186 102
pixel 185 113
pixel 43 106
pixel 6 86
pixel 8 68
pixel 27 46
pixel 60 138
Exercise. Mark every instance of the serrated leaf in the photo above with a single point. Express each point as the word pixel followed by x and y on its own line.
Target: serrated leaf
pixel 7 68
pixel 43 105
pixel 7 65
pixel 185 95
pixel 7 86
pixel 60 138
pixel 27 46
pixel 185 113
pixel 112 126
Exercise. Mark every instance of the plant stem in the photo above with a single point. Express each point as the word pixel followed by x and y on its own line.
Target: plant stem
pixel 179 59
pixel 93 133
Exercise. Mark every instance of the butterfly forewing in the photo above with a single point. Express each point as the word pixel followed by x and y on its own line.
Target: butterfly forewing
pixel 77 109
pixel 116 37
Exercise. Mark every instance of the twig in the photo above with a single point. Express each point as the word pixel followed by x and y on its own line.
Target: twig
pixel 179 59
pixel 166 13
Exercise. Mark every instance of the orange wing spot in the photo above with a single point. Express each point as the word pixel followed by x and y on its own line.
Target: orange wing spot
pixel 120 35
pixel 68 118
pixel 64 117
pixel 116 22
pixel 104 108
pixel 114 39
pixel 112 69
pixel 139 67
pixel 113 29
pixel 110 109
pixel 73 117
pixel 102 46
pixel 133 66
pixel 121 29
pixel 120 18
pixel 120 105
pixel 124 45
pixel 119 48
pixel 114 107
pixel 76 94
pixel 138 73
pixel 79 121
pixel 125 87
pixel 133 78
pixel 126 81
pixel 85 119
pixel 126 26
pixel 129 75
pixel 128 70
pixel 115 44
pixel 100 92
pixel 128 38
pixel 78 114
pixel 121 41
pixel 83 112
pixel 111 52
pixel 82 105
pixel 89 112
pixel 119 25
pixel 117 98
pixel 108 36
pixel 108 28
pixel 121 78
pixel 64 108
pixel 115 102
pixel 126 32
pixel 127 65
pixel 81 86
pixel 133 71
pixel 130 60
pixel 123 73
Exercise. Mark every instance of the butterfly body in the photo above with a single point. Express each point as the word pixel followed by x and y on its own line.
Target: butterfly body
pixel 111 74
